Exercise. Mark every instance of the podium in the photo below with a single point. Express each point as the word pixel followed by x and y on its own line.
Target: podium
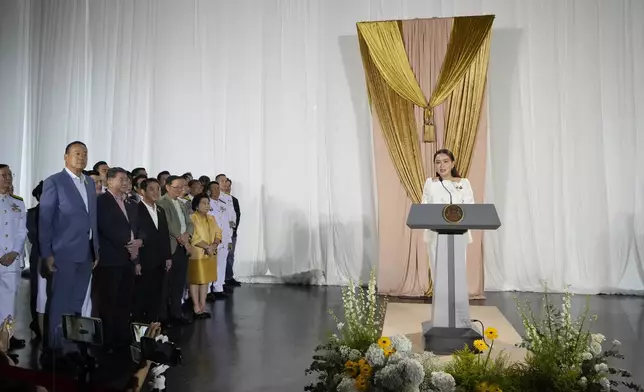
pixel 450 328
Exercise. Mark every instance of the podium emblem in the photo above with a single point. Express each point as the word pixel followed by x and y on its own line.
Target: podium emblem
pixel 453 213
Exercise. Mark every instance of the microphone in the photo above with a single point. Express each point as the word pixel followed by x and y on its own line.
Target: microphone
pixel 450 193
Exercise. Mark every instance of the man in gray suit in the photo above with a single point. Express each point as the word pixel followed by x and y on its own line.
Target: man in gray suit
pixel 181 229
pixel 68 237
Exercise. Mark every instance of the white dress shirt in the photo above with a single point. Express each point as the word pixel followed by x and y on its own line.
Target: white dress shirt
pixel 79 183
pixel 182 217
pixel 152 210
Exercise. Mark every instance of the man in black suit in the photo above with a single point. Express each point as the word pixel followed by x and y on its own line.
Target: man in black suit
pixel 230 261
pixel 155 257
pixel 119 251
pixel 34 262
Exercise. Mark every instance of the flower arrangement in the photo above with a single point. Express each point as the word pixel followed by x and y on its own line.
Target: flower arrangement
pixel 562 355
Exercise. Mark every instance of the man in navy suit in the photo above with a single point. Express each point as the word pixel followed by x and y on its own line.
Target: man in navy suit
pixel 68 236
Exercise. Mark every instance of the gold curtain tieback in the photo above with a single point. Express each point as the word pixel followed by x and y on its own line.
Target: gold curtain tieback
pixel 429 132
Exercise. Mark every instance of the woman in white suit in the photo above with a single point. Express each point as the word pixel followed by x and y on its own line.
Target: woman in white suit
pixel 445 188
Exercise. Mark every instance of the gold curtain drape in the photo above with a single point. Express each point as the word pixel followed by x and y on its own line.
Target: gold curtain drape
pixel 464 112
pixel 393 90
pixel 398 124
pixel 387 53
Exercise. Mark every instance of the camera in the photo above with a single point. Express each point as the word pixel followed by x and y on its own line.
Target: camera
pixel 145 348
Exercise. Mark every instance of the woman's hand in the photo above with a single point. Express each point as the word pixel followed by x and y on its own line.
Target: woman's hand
pixel 211 250
pixel 5 334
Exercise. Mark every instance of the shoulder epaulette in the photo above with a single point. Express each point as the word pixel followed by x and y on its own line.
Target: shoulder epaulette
pixel 17 197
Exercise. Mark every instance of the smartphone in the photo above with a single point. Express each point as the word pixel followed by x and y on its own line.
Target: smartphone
pixel 138 331
pixel 163 353
pixel 79 329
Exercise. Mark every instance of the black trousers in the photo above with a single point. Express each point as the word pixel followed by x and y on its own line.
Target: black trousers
pixel 34 271
pixel 115 285
pixel 177 281
pixel 149 294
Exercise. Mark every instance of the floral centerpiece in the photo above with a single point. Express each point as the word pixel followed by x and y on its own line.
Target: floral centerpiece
pixel 562 355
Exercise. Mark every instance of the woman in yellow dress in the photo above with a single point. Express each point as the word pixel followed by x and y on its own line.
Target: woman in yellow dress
pixel 202 267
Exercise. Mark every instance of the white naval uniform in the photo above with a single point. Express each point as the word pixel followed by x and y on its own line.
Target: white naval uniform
pixel 232 215
pixel 220 210
pixel 13 234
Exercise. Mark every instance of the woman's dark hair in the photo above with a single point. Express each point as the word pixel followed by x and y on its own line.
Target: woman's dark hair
pixel 197 199
pixel 447 152
pixel 37 192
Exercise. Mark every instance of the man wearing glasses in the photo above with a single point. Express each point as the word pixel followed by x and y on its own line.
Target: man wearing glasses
pixel 180 228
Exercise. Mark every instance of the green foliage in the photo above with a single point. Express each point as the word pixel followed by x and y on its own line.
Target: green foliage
pixel 537 374
pixel 470 370
pixel 562 353
pixel 328 365
pixel 363 315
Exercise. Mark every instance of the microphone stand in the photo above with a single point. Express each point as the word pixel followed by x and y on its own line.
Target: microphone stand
pixel 447 190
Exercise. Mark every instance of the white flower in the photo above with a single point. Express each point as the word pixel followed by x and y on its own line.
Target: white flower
pixel 586 356
pixel 617 342
pixel 401 343
pixel 344 351
pixel 601 367
pixel 595 348
pixel 347 385
pixel 583 381
pixel 444 382
pixel 395 358
pixel 406 375
pixel 598 338
pixel 355 355
pixel 340 326
pixel 604 383
pixel 375 356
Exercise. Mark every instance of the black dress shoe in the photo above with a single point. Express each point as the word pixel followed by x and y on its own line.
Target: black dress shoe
pixel 220 296
pixel 202 316
pixel 228 289
pixel 16 344
pixel 233 282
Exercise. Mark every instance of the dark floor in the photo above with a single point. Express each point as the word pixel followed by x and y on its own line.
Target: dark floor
pixel 262 339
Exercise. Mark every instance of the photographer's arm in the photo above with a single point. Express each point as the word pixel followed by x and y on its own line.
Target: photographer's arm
pixel 138 379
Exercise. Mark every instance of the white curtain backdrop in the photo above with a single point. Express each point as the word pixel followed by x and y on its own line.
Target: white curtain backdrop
pixel 566 159
pixel 272 93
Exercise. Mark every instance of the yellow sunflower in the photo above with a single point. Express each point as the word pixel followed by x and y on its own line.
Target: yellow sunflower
pixel 389 351
pixel 483 387
pixel 362 362
pixel 480 345
pixel 384 342
pixel 365 370
pixel 491 333
pixel 351 368
pixel 361 383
